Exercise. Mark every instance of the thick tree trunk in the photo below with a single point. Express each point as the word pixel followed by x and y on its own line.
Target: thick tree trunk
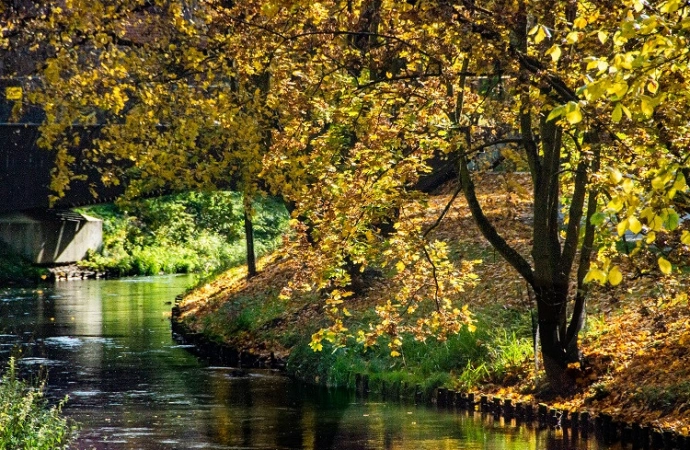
pixel 555 347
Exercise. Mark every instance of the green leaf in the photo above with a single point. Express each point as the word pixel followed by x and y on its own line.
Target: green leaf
pixel 597 219
pixel 671 219
pixel 617 114
pixel 555 113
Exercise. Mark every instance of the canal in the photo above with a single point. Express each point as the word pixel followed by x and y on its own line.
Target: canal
pixel 107 345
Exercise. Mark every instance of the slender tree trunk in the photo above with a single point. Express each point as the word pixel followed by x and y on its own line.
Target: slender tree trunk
pixel 249 239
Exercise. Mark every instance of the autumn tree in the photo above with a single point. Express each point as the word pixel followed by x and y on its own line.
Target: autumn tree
pixel 338 106
pixel 424 76
pixel 167 108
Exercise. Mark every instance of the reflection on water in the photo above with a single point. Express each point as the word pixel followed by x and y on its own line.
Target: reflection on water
pixel 107 344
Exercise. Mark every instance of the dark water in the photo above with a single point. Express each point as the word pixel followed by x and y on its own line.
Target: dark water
pixel 107 344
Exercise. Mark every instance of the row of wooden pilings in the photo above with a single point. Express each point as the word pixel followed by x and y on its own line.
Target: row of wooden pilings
pixel 583 424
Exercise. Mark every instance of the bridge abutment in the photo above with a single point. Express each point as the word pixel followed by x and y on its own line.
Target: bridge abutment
pixel 49 237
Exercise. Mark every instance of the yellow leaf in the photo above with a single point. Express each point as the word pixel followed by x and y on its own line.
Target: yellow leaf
pixel 395 353
pixel 685 237
pixel 652 86
pixel 651 237
pixel 615 175
pixel 580 22
pixel 670 6
pixel 621 227
pixel 400 266
pixel 574 116
pixel 13 93
pixel 646 106
pixel 540 34
pixel 680 184
pixel 628 185
pixel 555 53
pixel 664 265
pixel 634 224
pixel 595 275
pixel 619 89
pixel 615 276
pixel 602 36
pixel 617 114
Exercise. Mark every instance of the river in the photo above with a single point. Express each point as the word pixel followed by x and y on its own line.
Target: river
pixel 107 345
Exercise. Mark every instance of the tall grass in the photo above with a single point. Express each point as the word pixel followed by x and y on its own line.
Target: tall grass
pixel 27 421
pixel 500 350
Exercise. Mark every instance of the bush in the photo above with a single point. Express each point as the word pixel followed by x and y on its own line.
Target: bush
pixel 182 233
pixel 26 419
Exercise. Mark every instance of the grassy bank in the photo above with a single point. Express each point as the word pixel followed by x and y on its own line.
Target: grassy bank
pixel 182 233
pixel 252 315
pixel 634 342
pixel 27 421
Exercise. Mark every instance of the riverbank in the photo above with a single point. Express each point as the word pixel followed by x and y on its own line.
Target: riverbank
pixel 635 342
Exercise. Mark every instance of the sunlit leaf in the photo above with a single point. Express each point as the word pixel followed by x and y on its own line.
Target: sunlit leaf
pixel 664 265
pixel 615 276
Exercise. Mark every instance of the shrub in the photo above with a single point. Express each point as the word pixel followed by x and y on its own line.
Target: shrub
pixel 182 233
pixel 27 421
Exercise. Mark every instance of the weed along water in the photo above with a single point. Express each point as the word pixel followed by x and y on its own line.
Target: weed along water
pixel 107 344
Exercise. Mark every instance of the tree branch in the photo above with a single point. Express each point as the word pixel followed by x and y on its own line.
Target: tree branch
pixel 575 213
pixel 514 258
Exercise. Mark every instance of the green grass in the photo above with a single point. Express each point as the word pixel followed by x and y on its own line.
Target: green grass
pixel 664 398
pixel 27 421
pixel 464 361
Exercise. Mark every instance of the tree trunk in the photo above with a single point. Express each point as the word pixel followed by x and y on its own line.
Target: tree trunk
pixel 551 303
pixel 249 239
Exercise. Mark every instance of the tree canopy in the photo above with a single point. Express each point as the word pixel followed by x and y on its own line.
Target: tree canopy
pixel 339 107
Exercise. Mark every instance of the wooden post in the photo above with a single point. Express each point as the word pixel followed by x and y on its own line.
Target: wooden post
pixel 508 410
pixel 529 411
pixel 497 406
pixel 669 440
pixel 645 433
pixel 584 423
pixel 471 401
pixel 657 439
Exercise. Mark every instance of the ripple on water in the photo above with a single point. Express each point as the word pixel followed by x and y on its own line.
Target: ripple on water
pixel 86 393
pixel 64 341
pixel 40 362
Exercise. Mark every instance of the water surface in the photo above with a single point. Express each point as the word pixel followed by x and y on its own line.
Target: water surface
pixel 107 344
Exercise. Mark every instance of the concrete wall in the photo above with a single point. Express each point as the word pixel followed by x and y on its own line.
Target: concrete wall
pixel 51 239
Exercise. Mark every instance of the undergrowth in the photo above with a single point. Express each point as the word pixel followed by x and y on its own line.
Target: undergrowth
pixel 27 421
pixel 14 269
pixel 182 233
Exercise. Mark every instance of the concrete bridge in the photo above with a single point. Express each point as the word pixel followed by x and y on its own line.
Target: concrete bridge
pixel 43 233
